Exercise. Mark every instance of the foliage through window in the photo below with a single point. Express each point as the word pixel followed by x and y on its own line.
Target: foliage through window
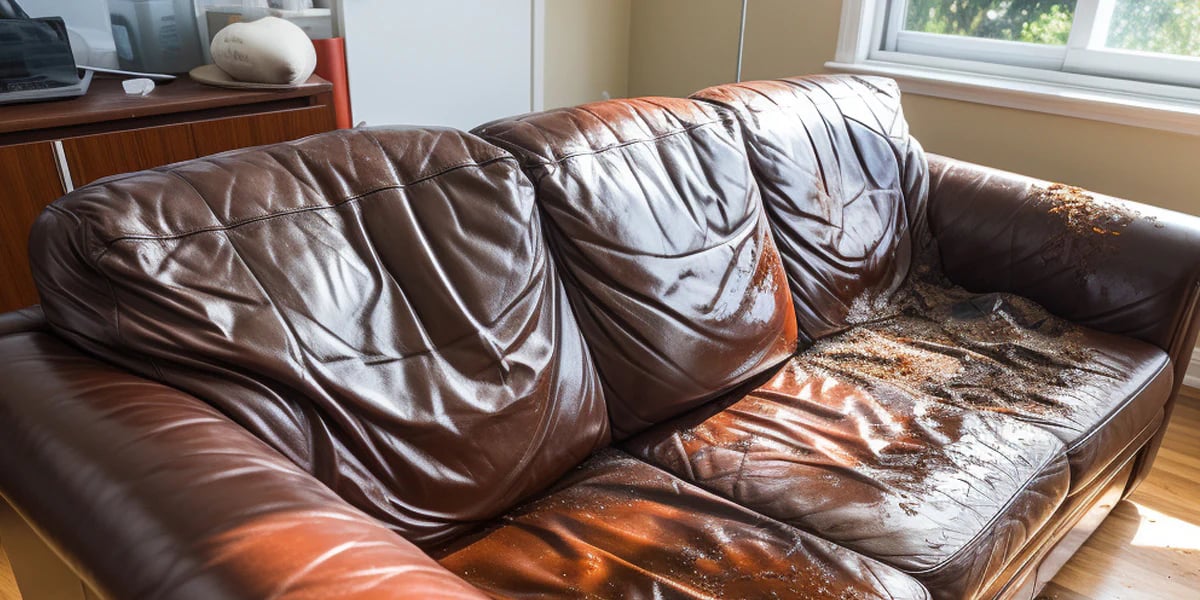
pixel 1156 41
pixel 1167 26
pixel 1035 21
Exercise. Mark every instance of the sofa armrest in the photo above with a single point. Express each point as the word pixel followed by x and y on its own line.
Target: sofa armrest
pixel 25 319
pixel 1109 264
pixel 150 493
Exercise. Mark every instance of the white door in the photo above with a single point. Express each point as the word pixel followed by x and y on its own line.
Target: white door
pixel 457 63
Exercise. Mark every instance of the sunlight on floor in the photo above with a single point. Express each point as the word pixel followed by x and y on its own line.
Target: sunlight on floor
pixel 1158 530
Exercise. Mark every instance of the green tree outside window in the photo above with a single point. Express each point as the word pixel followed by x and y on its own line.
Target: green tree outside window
pixel 1168 26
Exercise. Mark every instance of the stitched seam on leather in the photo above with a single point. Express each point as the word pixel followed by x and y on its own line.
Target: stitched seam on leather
pixel 1112 415
pixel 301 209
pixel 116 307
pixel 626 144
pixel 999 513
pixel 116 303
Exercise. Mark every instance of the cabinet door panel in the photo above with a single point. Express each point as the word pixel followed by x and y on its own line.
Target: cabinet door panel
pixel 94 156
pixel 30 177
pixel 219 135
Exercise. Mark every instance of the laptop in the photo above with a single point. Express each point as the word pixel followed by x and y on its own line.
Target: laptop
pixel 36 61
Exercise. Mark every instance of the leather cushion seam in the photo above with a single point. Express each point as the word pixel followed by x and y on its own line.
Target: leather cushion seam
pixel 987 528
pixel 1156 423
pixel 1116 411
pixel 300 209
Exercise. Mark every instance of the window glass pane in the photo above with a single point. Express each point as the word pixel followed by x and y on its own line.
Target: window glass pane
pixel 1037 21
pixel 1167 26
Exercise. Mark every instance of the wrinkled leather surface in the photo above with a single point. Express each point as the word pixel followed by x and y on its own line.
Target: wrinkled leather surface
pixel 378 305
pixel 1101 262
pixel 844 186
pixel 945 494
pixel 1002 353
pixel 25 319
pixel 1098 497
pixel 1109 264
pixel 666 253
pixel 153 494
pixel 618 528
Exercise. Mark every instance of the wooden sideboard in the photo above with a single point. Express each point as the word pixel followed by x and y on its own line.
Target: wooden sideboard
pixel 48 149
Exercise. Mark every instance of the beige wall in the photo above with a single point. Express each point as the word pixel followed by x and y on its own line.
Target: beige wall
pixel 680 46
pixel 1146 165
pixel 792 37
pixel 587 50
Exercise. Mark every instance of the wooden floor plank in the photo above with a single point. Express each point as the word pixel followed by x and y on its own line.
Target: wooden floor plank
pixel 1149 547
pixel 8 583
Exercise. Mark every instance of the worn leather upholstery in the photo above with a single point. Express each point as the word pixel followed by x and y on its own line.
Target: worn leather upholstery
pixel 366 335
pixel 377 305
pixel 945 494
pixel 1106 263
pixel 1095 260
pixel 844 185
pixel 154 494
pixel 667 256
pixel 603 531
pixel 1004 354
pixel 846 190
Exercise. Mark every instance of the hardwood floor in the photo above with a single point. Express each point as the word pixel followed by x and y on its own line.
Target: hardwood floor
pixel 8 584
pixel 1149 547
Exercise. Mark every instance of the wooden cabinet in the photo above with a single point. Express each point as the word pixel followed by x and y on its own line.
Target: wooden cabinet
pixel 50 148
pixel 219 135
pixel 29 181
pixel 91 157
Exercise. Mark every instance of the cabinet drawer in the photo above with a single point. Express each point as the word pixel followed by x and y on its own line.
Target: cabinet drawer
pixel 219 135
pixel 94 156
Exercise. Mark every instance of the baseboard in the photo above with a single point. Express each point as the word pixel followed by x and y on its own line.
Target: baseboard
pixel 1192 379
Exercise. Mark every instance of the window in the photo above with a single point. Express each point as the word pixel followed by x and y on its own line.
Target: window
pixel 1129 55
pixel 1144 40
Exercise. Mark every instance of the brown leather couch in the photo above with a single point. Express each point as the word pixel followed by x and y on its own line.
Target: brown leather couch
pixel 751 344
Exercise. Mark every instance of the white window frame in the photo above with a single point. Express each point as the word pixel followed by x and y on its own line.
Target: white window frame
pixel 1082 79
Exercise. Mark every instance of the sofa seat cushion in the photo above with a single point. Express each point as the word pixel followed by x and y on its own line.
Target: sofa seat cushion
pixel 946 494
pixel 619 528
pixel 1002 353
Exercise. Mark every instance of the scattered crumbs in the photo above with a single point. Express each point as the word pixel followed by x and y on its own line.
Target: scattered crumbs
pixel 1090 226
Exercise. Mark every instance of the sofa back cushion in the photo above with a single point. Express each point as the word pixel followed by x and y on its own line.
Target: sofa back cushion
pixel 844 186
pixel 377 304
pixel 656 221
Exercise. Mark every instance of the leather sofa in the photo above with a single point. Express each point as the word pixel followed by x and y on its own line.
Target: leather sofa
pixel 751 344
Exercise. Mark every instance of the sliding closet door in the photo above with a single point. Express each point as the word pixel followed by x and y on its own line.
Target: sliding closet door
pixel 441 62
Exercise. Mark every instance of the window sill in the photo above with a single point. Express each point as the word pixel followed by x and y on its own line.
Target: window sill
pixel 1067 100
